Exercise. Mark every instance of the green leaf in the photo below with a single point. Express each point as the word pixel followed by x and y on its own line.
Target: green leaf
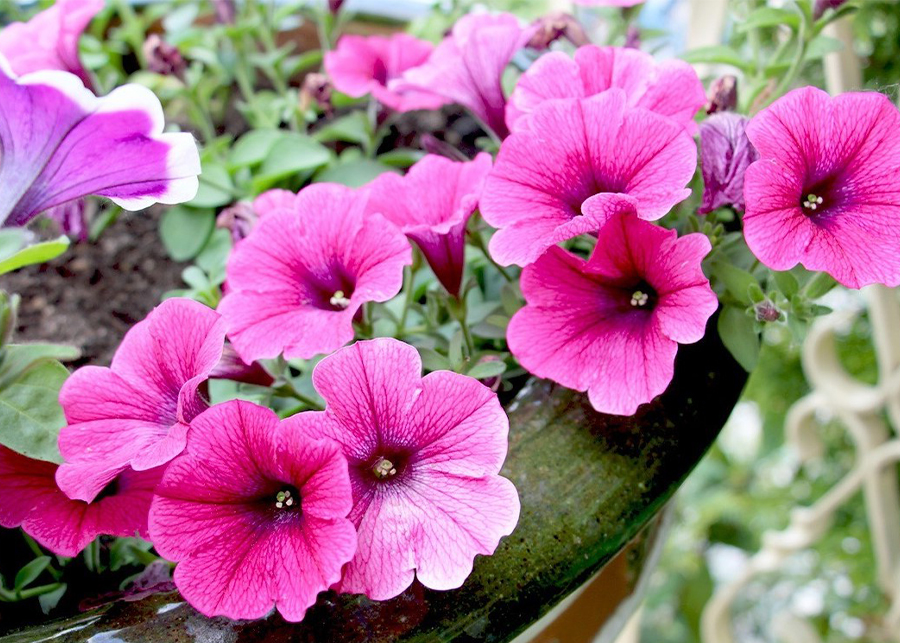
pixel 821 46
pixel 787 283
pixel 30 414
pixel 738 332
pixel 185 230
pixel 353 173
pixel 216 187
pixel 736 281
pixel 29 573
pixel 717 54
pixel 769 17
pixel 293 154
pixel 433 361
pixel 215 253
pixel 37 253
pixel 454 353
pixel 352 128
pixel 401 157
pixel 588 484
pixel 12 240
pixel 50 600
pixel 484 370
pixel 253 147
pixel 15 359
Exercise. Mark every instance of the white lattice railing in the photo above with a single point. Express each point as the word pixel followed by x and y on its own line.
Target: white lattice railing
pixel 870 414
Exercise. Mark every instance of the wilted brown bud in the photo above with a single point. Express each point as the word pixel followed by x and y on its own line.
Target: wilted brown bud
pixel 558 25
pixel 226 13
pixel 822 6
pixel 316 90
pixel 163 58
pixel 766 311
pixel 722 95
pixel 239 218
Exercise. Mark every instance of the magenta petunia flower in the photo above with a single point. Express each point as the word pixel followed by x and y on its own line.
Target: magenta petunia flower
pixel 255 514
pixel 826 190
pixel 30 499
pixel 50 39
pixel 366 65
pixel 725 155
pixel 467 67
pixel 136 412
pixel 296 283
pixel 60 143
pixel 424 456
pixel 432 205
pixel 560 178
pixel 670 87
pixel 611 325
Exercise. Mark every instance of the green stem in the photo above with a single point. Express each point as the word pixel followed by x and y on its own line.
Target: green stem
pixel 37 551
pixel 796 64
pixel 410 287
pixel 287 390
pixel 477 241
pixel 37 591
pixel 200 117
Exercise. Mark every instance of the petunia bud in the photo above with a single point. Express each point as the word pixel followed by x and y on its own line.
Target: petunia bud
pixel 633 37
pixel 433 145
pixel 163 57
pixel 232 367
pixel 822 6
pixel 766 311
pixel 722 95
pixel 316 90
pixel 725 154
pixel 554 26
pixel 239 218
pixel 225 11
pixel 334 6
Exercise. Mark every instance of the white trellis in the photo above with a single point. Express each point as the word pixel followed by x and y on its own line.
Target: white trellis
pixel 871 415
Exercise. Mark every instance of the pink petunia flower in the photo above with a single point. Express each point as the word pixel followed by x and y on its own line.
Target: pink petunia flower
pixel 136 412
pixel 30 499
pixel 467 67
pixel 424 456
pixel 60 143
pixel 562 177
pixel 432 205
pixel 611 325
pixel 296 283
pixel 826 190
pixel 670 87
pixel 725 155
pixel 366 65
pixel 50 39
pixel 254 513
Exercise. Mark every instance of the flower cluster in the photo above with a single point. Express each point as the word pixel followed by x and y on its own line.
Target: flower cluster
pixel 580 228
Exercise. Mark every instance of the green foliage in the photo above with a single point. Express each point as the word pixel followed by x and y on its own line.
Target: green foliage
pixel 16 252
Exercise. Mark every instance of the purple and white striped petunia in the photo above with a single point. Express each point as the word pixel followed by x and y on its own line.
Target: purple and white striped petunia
pixel 60 142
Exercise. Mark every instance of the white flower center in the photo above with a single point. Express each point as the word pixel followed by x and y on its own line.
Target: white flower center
pixel 639 299
pixel 384 468
pixel 283 499
pixel 812 202
pixel 338 300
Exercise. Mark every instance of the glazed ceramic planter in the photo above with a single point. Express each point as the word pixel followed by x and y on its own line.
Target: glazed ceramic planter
pixel 589 484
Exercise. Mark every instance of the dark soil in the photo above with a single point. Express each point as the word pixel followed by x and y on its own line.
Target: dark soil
pixel 95 292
